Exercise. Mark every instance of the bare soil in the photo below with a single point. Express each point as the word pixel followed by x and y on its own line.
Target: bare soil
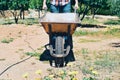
pixel 33 37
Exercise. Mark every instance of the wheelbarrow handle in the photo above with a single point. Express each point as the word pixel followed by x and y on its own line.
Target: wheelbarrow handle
pixel 44 14
pixel 45 9
pixel 75 10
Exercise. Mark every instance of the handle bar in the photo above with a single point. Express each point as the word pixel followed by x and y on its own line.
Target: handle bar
pixel 45 11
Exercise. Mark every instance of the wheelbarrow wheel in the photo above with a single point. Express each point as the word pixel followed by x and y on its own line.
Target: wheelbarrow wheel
pixel 59 50
pixel 59 45
pixel 59 62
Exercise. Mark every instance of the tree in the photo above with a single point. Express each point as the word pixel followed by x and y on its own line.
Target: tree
pixel 114 7
pixel 36 4
pixel 17 8
pixel 14 8
pixel 85 6
pixel 3 7
pixel 24 5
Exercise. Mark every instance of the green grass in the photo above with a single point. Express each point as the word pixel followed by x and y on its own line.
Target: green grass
pixel 83 32
pixel 26 21
pixel 112 22
pixel 113 31
pixel 106 32
pixel 90 21
pixel 34 54
pixel 87 40
pixel 29 21
pixel 107 61
pixel 101 62
pixel 7 40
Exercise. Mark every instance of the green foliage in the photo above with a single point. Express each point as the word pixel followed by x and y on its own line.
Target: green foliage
pixel 113 22
pixel 36 4
pixel 33 54
pixel 18 4
pixel 107 32
pixel 80 32
pixel 47 78
pixel 114 7
pixel 84 51
pixel 86 6
pixel 90 78
pixel 3 4
pixel 104 12
pixel 86 71
pixel 7 40
pixel 89 20
pixel 87 40
pixel 27 21
pixel 107 61
pixel 113 31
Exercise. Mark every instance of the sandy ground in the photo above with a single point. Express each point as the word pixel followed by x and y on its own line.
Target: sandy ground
pixel 13 52
pixel 29 38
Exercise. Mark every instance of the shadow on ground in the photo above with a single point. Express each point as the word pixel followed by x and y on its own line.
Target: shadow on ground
pixel 115 44
pixel 45 56
pixel 91 26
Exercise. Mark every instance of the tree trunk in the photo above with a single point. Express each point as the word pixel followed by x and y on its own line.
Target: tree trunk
pixel 15 15
pixel 2 13
pixel 23 14
pixel 85 12
pixel 20 14
pixel 16 20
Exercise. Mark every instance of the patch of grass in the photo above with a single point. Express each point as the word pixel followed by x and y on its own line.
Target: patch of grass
pixel 3 59
pixel 106 32
pixel 85 32
pixel 89 78
pixel 81 33
pixel 35 54
pixel 26 21
pixel 89 21
pixel 102 62
pixel 107 61
pixel 112 22
pixel 7 21
pixel 7 40
pixel 29 21
pixel 107 78
pixel 113 31
pixel 20 49
pixel 84 51
pixel 85 71
pixel 87 40
pixel 41 48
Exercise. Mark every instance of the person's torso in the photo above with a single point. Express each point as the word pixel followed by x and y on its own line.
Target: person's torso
pixel 59 2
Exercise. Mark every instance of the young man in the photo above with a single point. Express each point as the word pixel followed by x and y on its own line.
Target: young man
pixel 60 6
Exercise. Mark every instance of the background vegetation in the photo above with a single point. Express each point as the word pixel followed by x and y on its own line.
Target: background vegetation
pixel 18 7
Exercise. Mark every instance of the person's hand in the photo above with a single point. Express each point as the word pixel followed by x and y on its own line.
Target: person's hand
pixel 45 6
pixel 76 6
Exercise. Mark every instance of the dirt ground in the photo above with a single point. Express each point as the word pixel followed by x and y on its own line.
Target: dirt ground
pixel 28 39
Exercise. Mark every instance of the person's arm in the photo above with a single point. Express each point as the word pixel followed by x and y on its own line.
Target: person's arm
pixel 76 4
pixel 44 4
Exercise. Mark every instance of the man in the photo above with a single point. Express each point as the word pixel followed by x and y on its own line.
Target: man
pixel 60 6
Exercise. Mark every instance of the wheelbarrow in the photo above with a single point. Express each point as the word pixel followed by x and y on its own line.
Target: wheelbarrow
pixel 60 27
